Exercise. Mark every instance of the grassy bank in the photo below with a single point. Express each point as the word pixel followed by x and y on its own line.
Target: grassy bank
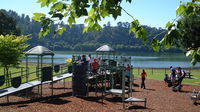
pixel 158 74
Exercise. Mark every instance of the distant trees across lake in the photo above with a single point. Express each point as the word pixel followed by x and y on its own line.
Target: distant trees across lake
pixel 75 40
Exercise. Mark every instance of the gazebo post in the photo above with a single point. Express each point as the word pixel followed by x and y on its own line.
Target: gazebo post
pixel 41 73
pixel 38 67
pixel 52 74
pixel 38 71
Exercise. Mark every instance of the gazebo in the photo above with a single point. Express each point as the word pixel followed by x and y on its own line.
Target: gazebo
pixel 40 52
pixel 104 51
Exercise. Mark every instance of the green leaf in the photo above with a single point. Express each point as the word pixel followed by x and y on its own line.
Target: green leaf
pixel 97 27
pixel 138 33
pixel 37 16
pixel 194 61
pixel 46 31
pixel 190 53
pixel 155 44
pixel 104 3
pixel 104 13
pixel 60 30
pixel 198 51
pixel 180 10
pixel 143 33
pixel 189 10
pixel 91 12
pixel 165 42
pixel 71 20
pixel 169 25
pixel 44 2
pixel 58 15
pixel 57 6
pixel 86 29
pixel 40 33
pixel 134 26
pixel 174 34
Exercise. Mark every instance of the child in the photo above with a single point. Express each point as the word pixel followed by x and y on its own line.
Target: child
pixel 95 66
pixel 143 77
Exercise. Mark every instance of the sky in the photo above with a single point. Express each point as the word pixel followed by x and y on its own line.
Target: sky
pixel 154 13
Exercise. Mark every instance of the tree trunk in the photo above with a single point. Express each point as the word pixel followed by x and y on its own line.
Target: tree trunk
pixel 7 76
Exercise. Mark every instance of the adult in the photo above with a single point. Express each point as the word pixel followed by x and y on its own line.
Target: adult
pixel 90 60
pixel 172 75
pixel 181 74
pixel 143 77
pixel 83 60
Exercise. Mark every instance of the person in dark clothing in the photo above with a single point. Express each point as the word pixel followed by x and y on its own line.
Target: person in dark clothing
pixel 143 77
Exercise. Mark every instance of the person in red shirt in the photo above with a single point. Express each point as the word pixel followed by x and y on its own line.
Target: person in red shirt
pixel 143 77
pixel 95 66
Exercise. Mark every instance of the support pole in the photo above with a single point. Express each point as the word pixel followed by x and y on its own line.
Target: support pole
pixel 123 88
pixel 52 75
pixel 41 75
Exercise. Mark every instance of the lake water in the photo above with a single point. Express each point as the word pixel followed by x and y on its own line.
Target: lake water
pixel 151 60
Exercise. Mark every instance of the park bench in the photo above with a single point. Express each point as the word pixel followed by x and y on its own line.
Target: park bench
pixel 188 75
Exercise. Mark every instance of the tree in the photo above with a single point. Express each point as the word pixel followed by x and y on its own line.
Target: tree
pixel 183 32
pixel 95 10
pixel 7 24
pixel 12 50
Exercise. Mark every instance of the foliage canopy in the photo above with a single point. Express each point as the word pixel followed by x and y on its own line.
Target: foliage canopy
pixel 12 50
pixel 7 24
pixel 95 10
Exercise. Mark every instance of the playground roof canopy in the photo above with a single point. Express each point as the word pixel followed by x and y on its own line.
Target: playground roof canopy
pixel 105 48
pixel 40 51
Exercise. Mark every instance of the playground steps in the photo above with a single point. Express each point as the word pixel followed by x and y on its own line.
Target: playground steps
pixel 116 91
pixel 131 99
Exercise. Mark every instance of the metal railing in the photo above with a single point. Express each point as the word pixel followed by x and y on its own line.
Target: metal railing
pixel 28 75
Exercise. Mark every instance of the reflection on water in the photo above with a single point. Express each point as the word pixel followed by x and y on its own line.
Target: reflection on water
pixel 138 59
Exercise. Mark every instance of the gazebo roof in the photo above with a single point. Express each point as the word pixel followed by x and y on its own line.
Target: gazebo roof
pixel 105 48
pixel 39 50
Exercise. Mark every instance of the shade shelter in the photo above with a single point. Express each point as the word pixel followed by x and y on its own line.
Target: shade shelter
pixel 40 52
pixel 105 51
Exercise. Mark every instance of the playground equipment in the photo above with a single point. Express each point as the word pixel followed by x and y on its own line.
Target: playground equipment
pixel 42 74
pixel 114 75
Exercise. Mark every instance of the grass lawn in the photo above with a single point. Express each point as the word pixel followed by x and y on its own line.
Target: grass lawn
pixel 158 74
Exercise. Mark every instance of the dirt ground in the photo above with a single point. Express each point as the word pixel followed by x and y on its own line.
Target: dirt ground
pixel 160 98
